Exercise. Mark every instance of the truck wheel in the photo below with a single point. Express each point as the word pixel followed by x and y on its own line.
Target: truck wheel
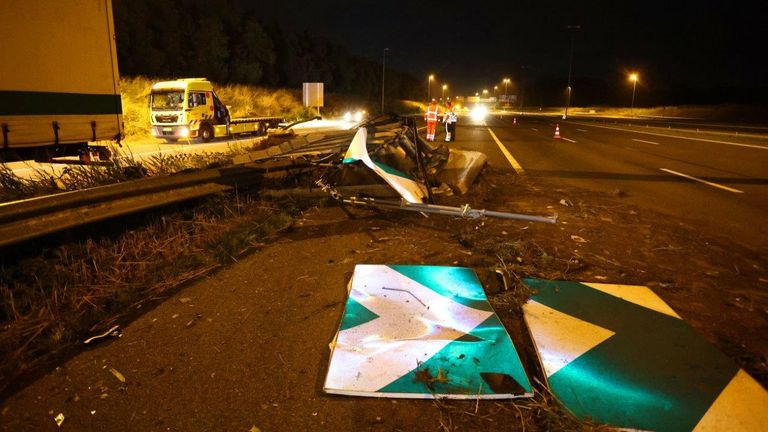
pixel 206 133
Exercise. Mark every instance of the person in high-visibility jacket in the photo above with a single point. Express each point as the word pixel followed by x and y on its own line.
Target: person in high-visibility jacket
pixel 450 118
pixel 431 117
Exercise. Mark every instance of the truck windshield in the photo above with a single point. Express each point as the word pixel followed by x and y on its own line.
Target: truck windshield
pixel 167 100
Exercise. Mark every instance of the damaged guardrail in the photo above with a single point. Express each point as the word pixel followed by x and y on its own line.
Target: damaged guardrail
pixel 464 211
pixel 36 217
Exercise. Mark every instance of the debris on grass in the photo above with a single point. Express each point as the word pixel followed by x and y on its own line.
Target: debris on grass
pixel 113 331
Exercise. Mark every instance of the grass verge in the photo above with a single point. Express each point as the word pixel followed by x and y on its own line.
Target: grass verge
pixel 51 302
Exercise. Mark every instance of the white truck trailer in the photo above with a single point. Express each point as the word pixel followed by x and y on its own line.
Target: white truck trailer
pixel 59 82
pixel 189 108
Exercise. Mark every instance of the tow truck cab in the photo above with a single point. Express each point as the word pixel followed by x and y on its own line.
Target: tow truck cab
pixel 187 108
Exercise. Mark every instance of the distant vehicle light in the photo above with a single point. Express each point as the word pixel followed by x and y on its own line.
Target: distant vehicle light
pixel 347 116
pixel 479 112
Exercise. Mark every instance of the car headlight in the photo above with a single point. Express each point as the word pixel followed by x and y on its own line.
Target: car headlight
pixel 358 116
pixel 478 113
pixel 348 117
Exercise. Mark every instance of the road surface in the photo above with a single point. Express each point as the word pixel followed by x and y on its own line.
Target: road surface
pixel 719 184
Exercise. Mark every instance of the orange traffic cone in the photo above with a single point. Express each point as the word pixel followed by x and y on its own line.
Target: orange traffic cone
pixel 557 131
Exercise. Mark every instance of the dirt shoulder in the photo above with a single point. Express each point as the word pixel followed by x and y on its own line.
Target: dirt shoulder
pixel 248 346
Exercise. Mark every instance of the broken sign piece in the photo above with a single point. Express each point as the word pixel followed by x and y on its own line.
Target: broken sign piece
pixel 410 189
pixel 59 419
pixel 412 331
pixel 620 355
pixel 578 239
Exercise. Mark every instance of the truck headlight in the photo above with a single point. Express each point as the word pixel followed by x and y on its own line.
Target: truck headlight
pixel 184 131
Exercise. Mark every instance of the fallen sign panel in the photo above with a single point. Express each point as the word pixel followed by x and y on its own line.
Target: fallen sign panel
pixel 620 355
pixel 422 332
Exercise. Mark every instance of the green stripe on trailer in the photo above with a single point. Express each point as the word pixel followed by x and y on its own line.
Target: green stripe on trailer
pixel 19 103
pixel 620 355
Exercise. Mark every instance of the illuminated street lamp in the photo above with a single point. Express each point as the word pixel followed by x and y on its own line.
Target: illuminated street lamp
pixel 445 87
pixel 495 89
pixel 485 92
pixel 383 72
pixel 429 87
pixel 506 83
pixel 572 29
pixel 633 77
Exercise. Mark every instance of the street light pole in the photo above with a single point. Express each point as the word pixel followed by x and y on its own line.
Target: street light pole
pixel 429 87
pixel 506 98
pixel 573 29
pixel 633 78
pixel 383 74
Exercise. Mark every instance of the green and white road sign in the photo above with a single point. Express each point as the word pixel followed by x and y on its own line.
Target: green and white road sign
pixel 620 355
pixel 422 332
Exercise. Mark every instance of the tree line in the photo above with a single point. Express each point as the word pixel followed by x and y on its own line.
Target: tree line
pixel 228 43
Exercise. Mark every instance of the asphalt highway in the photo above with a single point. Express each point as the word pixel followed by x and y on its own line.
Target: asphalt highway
pixel 716 183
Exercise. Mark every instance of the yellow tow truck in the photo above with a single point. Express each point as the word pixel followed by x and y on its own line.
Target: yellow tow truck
pixel 188 108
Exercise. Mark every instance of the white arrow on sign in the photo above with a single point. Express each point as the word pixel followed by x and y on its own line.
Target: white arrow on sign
pixel 414 324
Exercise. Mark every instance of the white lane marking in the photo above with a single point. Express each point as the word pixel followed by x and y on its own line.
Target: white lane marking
pixel 581 130
pixel 719 186
pixel 534 129
pixel 512 161
pixel 566 139
pixel 683 137
pixel 644 141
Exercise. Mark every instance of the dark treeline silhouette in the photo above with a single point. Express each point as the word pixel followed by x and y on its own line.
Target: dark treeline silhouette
pixel 228 43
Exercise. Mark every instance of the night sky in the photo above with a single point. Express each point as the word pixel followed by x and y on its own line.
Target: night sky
pixel 471 45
